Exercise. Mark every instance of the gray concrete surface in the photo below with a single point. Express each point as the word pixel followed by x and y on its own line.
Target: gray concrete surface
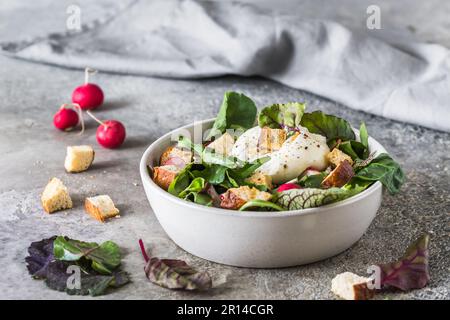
pixel 32 151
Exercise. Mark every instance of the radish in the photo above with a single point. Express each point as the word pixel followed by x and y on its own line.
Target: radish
pixel 110 134
pixel 89 95
pixel 288 186
pixel 66 118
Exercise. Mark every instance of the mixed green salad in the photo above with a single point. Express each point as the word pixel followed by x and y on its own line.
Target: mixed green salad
pixel 281 158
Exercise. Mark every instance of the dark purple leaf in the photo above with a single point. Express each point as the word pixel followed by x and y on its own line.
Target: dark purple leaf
pixel 40 256
pixel 174 274
pixel 411 271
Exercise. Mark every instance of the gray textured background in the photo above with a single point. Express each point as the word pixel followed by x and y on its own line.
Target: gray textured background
pixel 32 151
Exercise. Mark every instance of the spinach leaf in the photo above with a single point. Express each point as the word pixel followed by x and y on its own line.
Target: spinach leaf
pixel 327 125
pixel 263 204
pixel 237 112
pixel 196 186
pixel 181 181
pixel 384 169
pixel 104 257
pixel 295 199
pixel 250 167
pixel 312 181
pixel 356 150
pixel 281 115
pixel 364 138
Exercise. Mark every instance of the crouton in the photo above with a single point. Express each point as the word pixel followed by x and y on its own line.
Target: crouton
pixel 339 176
pixel 56 196
pixel 174 152
pixel 79 158
pixel 350 286
pixel 101 207
pixel 336 156
pixel 260 179
pixel 270 140
pixel 234 198
pixel 164 175
pixel 222 145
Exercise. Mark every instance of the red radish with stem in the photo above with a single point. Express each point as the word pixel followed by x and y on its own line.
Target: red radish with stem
pixel 110 133
pixel 89 95
pixel 66 118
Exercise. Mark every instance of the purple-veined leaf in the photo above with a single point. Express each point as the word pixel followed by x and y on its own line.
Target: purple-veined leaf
pixel 411 271
pixel 174 274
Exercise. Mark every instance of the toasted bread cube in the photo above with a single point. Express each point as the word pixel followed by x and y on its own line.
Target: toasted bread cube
pixel 172 153
pixel 350 286
pixel 79 158
pixel 56 196
pixel 222 145
pixel 101 207
pixel 336 156
pixel 260 179
pixel 270 140
pixel 234 198
pixel 339 176
pixel 164 175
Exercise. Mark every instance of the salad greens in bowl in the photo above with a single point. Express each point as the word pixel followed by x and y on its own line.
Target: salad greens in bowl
pixel 277 188
pixel 280 159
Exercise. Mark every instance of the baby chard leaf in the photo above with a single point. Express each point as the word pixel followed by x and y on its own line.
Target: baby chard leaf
pixel 279 115
pixel 174 274
pixel 412 270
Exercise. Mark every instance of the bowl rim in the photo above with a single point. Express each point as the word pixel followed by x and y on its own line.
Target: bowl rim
pixel 146 180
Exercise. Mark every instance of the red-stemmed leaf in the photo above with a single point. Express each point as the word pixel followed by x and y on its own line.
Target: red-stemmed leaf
pixel 411 271
pixel 174 274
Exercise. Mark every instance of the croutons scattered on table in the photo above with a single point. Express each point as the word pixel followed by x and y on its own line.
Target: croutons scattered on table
pixel 56 196
pixel 164 175
pixel 101 207
pixel 350 286
pixel 339 176
pixel 234 198
pixel 260 179
pixel 175 156
pixel 79 158
pixel 222 145
pixel 336 156
pixel 270 140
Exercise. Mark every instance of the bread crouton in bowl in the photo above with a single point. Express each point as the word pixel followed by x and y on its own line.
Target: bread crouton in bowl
pixel 254 238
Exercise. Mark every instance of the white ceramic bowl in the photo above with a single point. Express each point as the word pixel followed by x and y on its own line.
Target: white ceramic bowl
pixel 259 239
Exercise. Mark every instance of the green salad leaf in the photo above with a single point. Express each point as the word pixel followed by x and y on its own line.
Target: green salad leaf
pixel 355 149
pixel 281 115
pixel 295 199
pixel 181 181
pixel 237 112
pixel 312 181
pixel 384 169
pixel 104 258
pixel 331 127
pixel 364 138
pixel 257 203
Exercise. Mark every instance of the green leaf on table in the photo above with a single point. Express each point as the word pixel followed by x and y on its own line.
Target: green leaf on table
pixel 411 271
pixel 281 115
pixel 330 126
pixel 384 169
pixel 104 258
pixel 236 112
